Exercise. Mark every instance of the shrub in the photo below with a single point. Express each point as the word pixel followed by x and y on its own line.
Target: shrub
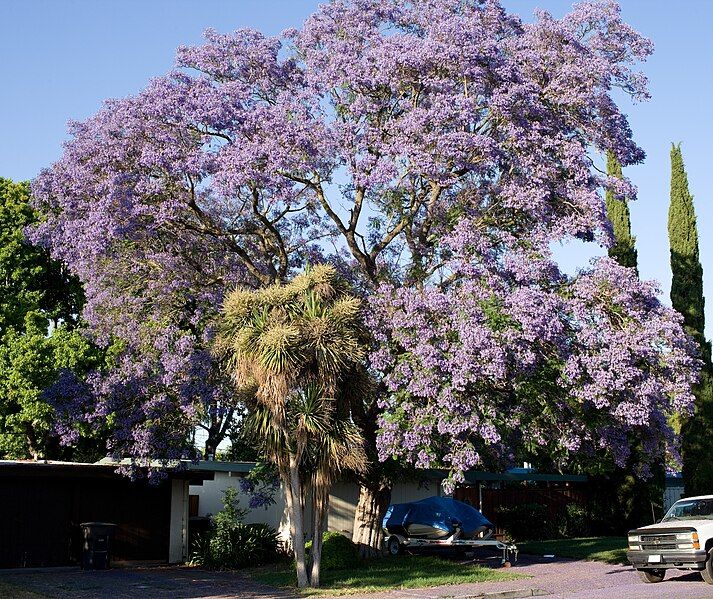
pixel 230 543
pixel 338 552
pixel 527 521
pixel 575 521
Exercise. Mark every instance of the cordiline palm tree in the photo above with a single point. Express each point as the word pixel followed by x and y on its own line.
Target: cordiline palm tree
pixel 293 347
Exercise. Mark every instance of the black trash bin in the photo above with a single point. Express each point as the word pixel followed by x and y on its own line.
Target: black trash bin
pixel 96 548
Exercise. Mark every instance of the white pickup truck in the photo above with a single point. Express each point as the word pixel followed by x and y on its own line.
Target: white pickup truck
pixel 683 540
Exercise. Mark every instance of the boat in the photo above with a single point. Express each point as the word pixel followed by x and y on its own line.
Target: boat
pixel 436 518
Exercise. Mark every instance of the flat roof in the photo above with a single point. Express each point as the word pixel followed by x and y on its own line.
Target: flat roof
pixel 204 469
pixel 105 468
pixel 471 476
pixel 475 476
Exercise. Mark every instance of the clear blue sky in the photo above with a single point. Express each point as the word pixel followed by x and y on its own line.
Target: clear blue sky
pixel 61 58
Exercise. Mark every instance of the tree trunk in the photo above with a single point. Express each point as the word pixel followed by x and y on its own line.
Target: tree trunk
pixel 296 513
pixel 369 514
pixel 321 506
pixel 210 449
pixel 217 431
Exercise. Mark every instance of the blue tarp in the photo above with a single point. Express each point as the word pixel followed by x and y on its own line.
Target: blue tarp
pixel 439 514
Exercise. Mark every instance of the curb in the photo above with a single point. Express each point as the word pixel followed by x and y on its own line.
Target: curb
pixel 514 594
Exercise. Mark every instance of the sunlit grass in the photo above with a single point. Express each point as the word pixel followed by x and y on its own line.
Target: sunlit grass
pixel 401 572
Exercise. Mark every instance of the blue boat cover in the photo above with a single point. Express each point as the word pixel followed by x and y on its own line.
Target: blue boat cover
pixel 440 513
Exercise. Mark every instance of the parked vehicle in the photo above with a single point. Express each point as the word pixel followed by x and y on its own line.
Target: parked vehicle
pixel 683 540
pixel 441 522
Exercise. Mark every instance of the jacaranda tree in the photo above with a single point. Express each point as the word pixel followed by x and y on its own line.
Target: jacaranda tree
pixel 432 150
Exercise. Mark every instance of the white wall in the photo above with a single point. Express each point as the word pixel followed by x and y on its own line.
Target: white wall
pixel 345 496
pixel 342 503
pixel 178 527
pixel 210 502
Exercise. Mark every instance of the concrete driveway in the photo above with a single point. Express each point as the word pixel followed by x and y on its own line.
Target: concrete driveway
pixel 138 583
pixel 566 579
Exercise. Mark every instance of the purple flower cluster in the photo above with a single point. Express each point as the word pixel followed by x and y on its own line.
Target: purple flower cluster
pixel 261 490
pixel 514 360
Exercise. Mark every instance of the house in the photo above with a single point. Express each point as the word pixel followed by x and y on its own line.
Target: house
pixel 206 498
pixel 486 490
pixel 44 502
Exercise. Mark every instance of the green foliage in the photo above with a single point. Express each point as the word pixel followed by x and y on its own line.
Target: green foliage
pixel 686 270
pixel 39 307
pixel 532 521
pixel 696 433
pixel 232 544
pixel 623 250
pixel 687 297
pixel 242 449
pixel 527 521
pixel 29 279
pixel 576 521
pixel 29 363
pixel 338 552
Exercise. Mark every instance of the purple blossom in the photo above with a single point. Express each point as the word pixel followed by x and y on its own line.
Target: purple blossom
pixel 432 150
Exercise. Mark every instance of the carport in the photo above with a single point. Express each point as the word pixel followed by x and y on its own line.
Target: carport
pixel 43 504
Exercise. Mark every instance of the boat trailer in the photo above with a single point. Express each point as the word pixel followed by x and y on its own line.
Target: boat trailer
pixel 395 543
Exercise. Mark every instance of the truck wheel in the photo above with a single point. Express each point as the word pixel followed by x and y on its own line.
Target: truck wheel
pixel 393 546
pixel 651 575
pixel 707 572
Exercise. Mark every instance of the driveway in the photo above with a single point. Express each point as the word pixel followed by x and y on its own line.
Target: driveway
pixel 135 583
pixel 566 579
pixel 555 579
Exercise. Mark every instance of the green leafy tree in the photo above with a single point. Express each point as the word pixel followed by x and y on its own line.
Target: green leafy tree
pixel 39 335
pixel 687 297
pixel 29 279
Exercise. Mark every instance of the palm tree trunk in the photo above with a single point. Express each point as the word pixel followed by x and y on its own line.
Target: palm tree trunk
pixel 296 513
pixel 321 505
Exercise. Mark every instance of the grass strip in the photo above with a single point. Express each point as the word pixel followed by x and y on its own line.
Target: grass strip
pixel 400 572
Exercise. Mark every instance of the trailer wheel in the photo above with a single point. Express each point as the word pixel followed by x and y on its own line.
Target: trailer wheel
pixel 393 546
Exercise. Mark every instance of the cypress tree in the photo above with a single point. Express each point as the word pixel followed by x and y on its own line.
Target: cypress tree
pixel 687 281
pixel 635 500
pixel 687 298
pixel 623 250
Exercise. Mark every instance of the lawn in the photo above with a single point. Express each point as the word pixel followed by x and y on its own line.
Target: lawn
pixel 10 590
pixel 402 572
pixel 611 550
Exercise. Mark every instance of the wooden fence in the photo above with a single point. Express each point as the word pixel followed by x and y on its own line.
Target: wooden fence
pixel 491 500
